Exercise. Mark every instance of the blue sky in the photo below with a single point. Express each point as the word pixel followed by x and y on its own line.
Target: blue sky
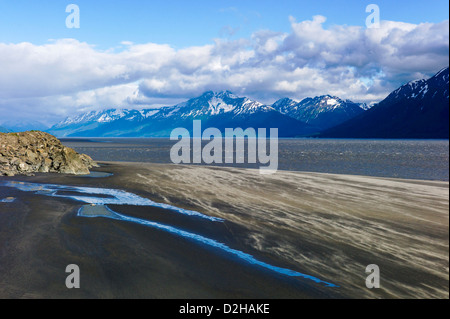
pixel 140 54
pixel 186 23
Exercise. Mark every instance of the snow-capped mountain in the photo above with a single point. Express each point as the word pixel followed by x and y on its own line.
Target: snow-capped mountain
pixel 418 109
pixel 367 106
pixel 106 116
pixel 93 116
pixel 211 104
pixel 426 92
pixel 215 109
pixel 208 104
pixel 322 111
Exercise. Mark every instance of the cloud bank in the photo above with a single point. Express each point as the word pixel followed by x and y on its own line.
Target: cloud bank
pixel 65 76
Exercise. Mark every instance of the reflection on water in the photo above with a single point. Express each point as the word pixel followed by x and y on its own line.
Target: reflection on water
pixel 412 159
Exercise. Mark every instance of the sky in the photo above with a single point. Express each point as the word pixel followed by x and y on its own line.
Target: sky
pixel 145 54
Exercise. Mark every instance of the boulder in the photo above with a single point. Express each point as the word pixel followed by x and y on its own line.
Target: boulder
pixel 30 152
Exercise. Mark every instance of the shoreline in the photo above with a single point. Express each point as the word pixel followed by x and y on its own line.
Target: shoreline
pixel 324 225
pixel 385 159
pixel 256 170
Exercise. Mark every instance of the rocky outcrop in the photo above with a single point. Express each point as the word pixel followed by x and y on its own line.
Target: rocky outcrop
pixel 32 152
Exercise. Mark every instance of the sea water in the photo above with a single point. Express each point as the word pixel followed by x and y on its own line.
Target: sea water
pixel 409 159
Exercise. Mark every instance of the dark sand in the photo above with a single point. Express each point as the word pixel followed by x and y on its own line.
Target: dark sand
pixel 323 225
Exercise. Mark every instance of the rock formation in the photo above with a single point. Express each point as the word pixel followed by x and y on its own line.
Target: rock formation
pixel 31 152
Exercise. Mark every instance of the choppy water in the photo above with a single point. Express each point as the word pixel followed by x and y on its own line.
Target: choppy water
pixel 412 159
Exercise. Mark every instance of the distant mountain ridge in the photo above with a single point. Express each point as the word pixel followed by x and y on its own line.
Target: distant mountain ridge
pixel 418 109
pixel 215 109
pixel 322 111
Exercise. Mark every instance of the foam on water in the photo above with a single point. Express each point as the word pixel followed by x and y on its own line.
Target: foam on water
pixel 203 240
pixel 115 197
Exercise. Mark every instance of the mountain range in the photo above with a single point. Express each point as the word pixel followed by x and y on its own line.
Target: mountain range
pixel 215 109
pixel 418 109
pixel 322 111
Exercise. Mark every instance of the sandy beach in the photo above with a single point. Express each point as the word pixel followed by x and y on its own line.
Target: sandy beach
pixel 324 225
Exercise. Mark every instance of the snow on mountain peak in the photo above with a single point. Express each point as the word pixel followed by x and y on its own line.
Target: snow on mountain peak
pixel 219 94
pixel 226 93
pixel 332 102
pixel 103 116
pixel 217 105
pixel 329 102
pixel 212 103
pixel 443 70
pixel 111 115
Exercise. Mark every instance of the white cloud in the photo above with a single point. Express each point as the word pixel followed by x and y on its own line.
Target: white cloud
pixel 67 76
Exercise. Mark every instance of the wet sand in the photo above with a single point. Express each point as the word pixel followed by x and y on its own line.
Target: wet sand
pixel 324 225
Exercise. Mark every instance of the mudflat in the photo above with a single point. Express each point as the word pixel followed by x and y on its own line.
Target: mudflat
pixel 322 225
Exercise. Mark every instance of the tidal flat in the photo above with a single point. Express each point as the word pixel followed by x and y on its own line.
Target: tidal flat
pixel 325 226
